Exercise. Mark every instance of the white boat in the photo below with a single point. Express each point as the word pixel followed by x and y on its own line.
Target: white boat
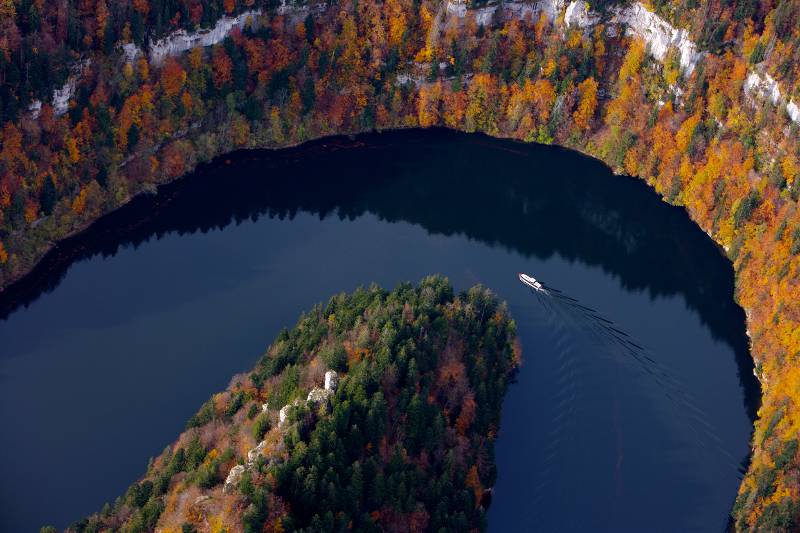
pixel 531 282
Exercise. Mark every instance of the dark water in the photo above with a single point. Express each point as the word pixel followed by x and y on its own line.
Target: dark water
pixel 124 331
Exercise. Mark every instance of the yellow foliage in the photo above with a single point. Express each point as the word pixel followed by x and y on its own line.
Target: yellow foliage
pixel 210 456
pixel 425 18
pixel 215 524
pixel 424 55
pixel 684 135
pixel 7 10
pixel 79 203
pixel 686 170
pixel 172 501
pixel 196 58
pixel 633 60
pixel 397 21
pixel 749 40
pixel 428 104
pixel 543 95
pixel 574 39
pixel 143 68
pixel 599 48
pixel 587 104
pixel 549 67
pixel 240 131
pixel 791 169
pixel 671 74
pixel 73 153
pixel 631 162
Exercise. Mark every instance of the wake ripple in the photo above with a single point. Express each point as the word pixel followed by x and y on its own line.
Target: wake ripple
pixel 564 315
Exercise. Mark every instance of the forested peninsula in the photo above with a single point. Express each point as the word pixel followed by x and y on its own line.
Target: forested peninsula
pixel 101 100
pixel 378 411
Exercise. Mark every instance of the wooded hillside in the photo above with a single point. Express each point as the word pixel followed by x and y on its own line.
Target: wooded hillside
pixel 719 138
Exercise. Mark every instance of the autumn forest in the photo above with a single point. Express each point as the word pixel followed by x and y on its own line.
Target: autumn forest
pixel 103 100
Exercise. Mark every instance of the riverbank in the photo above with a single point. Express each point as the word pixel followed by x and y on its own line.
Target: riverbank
pixel 19 293
pixel 196 266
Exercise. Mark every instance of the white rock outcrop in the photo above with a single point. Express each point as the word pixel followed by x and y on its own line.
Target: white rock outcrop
pixel 483 15
pixel 282 414
pixel 793 110
pixel 763 87
pixel 318 396
pixel 315 396
pixel 296 11
pixel 331 380
pixel 182 41
pixel 234 476
pixel 459 9
pixel 404 78
pixel 659 35
pixel 551 9
pixel 766 88
pixel 130 52
pixel 35 109
pixel 62 96
pixel 253 454
pixel 578 14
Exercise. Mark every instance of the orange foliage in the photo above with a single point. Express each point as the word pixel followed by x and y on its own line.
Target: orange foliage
pixel 587 103
pixel 173 161
pixel 172 77
pixel 222 67
pixel 473 482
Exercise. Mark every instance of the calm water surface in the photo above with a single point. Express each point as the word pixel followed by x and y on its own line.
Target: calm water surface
pixel 642 424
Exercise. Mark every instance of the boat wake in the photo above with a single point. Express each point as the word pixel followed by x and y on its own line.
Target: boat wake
pixel 566 313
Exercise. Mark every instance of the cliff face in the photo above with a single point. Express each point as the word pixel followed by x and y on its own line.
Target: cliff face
pixel 182 41
pixel 659 35
pixel 699 101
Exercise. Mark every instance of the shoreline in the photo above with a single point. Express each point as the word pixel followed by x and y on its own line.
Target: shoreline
pixel 63 253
